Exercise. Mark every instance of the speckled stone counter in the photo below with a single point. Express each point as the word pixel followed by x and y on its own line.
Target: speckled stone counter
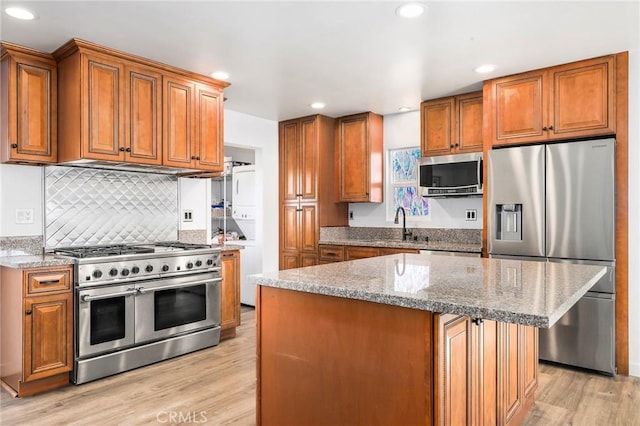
pixel 418 245
pixel 38 261
pixel 513 291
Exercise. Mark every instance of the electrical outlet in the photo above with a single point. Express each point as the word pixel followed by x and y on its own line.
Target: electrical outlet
pixel 24 216
pixel 351 215
pixel 471 214
pixel 187 215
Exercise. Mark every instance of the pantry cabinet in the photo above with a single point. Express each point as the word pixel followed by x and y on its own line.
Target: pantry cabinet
pixel 28 97
pixel 37 328
pixel 561 102
pixel 117 107
pixel 359 160
pixel 230 294
pixel 451 125
pixel 306 150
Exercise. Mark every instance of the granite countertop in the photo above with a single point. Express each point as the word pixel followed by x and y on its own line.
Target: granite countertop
pixel 419 245
pixel 513 291
pixel 33 261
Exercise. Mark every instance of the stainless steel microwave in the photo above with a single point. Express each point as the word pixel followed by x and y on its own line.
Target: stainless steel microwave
pixel 451 175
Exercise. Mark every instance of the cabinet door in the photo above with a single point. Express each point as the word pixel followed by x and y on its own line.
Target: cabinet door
pixel 469 123
pixel 583 98
pixel 308 159
pixel 483 386
pixel 179 104
pixel 452 370
pixel 103 94
pixel 353 159
pixel 390 250
pixel 308 229
pixel 289 236
pixel 29 124
pixel 230 291
pixel 437 126
pixel 208 151
pixel 289 160
pixel 511 383
pixel 48 334
pixel 143 115
pixel 520 108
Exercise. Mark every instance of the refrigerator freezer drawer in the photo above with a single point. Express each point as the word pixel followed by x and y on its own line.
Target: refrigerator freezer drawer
pixel 584 336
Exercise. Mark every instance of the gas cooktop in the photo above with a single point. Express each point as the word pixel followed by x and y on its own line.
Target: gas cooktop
pixel 123 249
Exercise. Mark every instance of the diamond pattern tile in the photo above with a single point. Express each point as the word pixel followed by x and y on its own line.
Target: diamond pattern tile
pixel 96 207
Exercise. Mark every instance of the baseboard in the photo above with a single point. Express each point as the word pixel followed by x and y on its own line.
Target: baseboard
pixel 634 369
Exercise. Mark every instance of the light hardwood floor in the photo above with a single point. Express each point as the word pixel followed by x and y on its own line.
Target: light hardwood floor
pixel 217 386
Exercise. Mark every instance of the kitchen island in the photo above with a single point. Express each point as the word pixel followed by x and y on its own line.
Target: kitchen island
pixel 407 339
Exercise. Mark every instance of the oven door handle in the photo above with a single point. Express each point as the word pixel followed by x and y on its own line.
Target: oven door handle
pixel 142 290
pixel 128 292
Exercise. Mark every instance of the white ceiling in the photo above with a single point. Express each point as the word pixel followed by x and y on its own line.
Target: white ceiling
pixel 355 56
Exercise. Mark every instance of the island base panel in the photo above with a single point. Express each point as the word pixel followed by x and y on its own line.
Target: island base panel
pixel 329 360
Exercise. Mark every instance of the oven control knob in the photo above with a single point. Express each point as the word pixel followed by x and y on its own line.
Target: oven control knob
pixel 165 268
pixel 198 263
pixel 113 272
pixel 97 273
pixel 209 262
pixel 149 268
pixel 135 270
pixel 189 265
pixel 125 272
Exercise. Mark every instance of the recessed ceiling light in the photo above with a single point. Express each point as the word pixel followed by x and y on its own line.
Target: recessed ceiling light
pixel 318 105
pixel 220 75
pixel 410 10
pixel 20 13
pixel 404 109
pixel 483 69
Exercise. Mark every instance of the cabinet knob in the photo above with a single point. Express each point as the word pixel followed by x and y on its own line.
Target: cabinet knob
pixel 14 145
pixel 477 321
pixel 28 312
pixel 197 157
pixel 451 146
pixel 550 127
pixel 128 149
pixel 545 128
pixel 457 145
pixel 193 157
pixel 121 149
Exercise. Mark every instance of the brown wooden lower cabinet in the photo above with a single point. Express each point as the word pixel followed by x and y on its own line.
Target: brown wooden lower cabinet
pixel 371 363
pixel 335 253
pixel 230 294
pixel 36 309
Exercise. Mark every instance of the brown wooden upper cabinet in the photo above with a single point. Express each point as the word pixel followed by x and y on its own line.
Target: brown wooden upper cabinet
pixel 28 91
pixel 122 108
pixel 567 101
pixel 451 125
pixel 359 159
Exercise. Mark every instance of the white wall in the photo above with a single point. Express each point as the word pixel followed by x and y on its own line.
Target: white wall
pixel 634 208
pixel 20 188
pixel 403 131
pixel 246 131
pixel 192 192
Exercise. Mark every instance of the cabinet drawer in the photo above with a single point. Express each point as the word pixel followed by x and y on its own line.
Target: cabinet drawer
pixel 391 250
pixel 47 280
pixel 331 253
pixel 353 253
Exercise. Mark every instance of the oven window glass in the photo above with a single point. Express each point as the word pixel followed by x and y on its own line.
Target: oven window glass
pixel 179 306
pixel 107 320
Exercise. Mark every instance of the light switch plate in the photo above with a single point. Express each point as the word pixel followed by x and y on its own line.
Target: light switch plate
pixel 471 214
pixel 24 216
pixel 187 215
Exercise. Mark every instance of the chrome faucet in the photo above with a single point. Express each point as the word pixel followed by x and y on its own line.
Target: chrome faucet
pixel 405 233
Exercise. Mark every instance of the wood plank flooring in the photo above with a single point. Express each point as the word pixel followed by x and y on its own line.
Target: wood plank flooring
pixel 217 386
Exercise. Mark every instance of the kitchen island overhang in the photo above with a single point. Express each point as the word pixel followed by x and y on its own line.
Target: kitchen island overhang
pixel 364 341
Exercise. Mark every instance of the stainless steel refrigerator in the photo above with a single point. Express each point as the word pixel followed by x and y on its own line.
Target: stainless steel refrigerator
pixel 555 202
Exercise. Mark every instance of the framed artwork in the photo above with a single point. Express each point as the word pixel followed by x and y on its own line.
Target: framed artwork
pixel 403 182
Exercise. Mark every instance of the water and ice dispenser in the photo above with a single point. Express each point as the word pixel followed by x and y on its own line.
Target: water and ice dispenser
pixel 509 222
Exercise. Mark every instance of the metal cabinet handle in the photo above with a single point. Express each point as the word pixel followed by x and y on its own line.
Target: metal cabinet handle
pixel 48 282
pixel 227 255
pixel 128 149
pixel 197 158
pixel 477 321
pixel 121 149
pixel 14 145
pixel 193 157
pixel 545 128
pixel 28 312
pixel 550 127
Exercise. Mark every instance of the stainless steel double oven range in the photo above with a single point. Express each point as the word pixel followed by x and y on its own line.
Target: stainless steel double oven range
pixel 136 305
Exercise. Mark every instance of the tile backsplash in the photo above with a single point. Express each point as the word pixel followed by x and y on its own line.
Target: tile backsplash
pixel 97 207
